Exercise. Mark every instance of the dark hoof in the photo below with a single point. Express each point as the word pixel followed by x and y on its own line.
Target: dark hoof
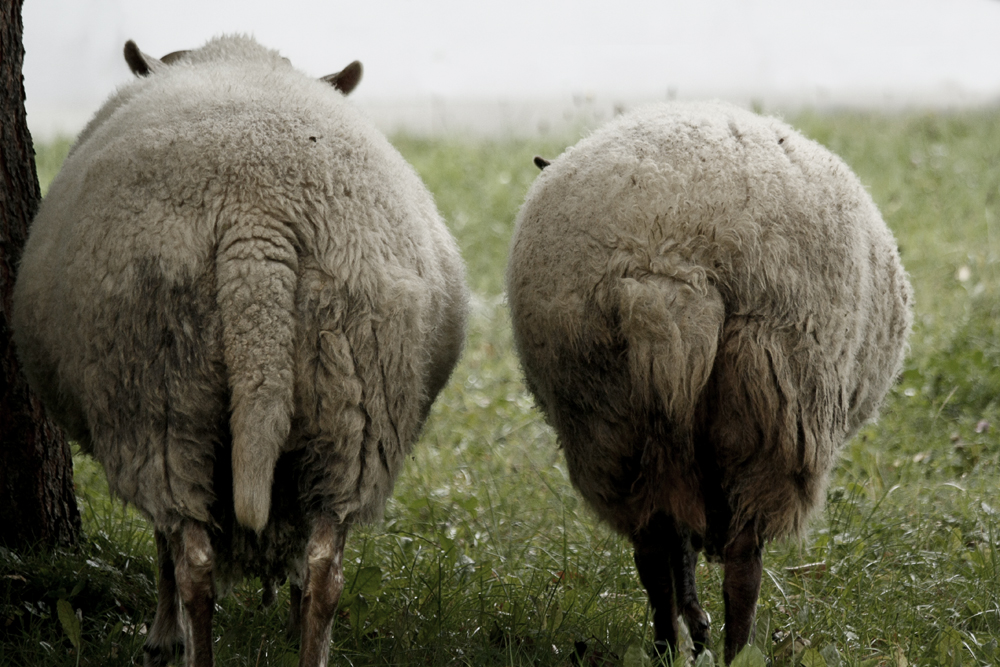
pixel 293 629
pixel 267 597
pixel 698 627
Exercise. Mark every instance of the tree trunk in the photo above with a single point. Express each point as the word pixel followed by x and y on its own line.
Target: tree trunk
pixel 36 469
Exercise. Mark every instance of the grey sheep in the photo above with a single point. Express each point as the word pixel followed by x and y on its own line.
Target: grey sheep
pixel 242 301
pixel 706 306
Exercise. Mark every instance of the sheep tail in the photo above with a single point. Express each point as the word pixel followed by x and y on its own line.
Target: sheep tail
pixel 673 329
pixel 256 268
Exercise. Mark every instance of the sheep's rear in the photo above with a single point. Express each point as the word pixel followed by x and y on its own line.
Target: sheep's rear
pixel 706 305
pixel 242 301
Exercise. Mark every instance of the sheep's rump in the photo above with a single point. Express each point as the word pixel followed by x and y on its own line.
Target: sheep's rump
pixel 230 247
pixel 706 303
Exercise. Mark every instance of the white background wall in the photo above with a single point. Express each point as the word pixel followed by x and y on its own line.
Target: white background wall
pixel 521 65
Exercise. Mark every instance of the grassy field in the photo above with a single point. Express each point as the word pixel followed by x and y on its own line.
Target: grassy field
pixel 488 557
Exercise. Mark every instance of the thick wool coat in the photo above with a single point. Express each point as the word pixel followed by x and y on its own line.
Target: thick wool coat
pixel 234 267
pixel 706 305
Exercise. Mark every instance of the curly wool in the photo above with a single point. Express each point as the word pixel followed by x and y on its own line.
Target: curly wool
pixel 234 264
pixel 706 305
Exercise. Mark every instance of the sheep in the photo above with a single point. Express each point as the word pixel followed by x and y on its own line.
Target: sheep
pixel 706 305
pixel 240 299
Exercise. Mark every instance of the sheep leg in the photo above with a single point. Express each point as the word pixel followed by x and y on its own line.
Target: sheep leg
pixel 743 565
pixel 165 635
pixel 654 551
pixel 294 625
pixel 268 592
pixel 684 561
pixel 193 569
pixel 321 590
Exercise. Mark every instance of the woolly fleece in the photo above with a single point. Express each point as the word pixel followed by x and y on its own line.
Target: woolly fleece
pixel 706 305
pixel 234 263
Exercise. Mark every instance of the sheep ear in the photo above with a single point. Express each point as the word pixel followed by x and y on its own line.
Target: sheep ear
pixel 140 63
pixel 541 162
pixel 346 79
pixel 173 56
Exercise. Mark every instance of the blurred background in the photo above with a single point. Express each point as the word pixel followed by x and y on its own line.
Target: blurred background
pixel 522 67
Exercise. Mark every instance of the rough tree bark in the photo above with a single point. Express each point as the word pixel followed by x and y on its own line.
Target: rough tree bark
pixel 36 470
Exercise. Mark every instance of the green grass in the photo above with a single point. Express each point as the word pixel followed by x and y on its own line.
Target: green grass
pixel 49 157
pixel 488 557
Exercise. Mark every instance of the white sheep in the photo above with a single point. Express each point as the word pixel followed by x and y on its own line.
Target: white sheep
pixel 706 305
pixel 242 301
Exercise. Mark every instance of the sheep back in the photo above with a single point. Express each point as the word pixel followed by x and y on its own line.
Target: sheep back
pixel 705 302
pixel 233 262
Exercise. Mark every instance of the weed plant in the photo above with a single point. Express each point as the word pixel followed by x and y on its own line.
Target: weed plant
pixel 487 556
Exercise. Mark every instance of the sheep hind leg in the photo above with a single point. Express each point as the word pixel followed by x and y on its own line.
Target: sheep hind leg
pixel 655 546
pixel 743 566
pixel 269 591
pixel 684 561
pixel 324 582
pixel 294 626
pixel 194 560
pixel 165 638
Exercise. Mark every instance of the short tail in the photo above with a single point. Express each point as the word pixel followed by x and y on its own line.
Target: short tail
pixel 673 330
pixel 256 269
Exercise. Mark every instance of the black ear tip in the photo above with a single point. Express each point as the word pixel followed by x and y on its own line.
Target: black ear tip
pixel 133 56
pixel 356 70
pixel 541 162
pixel 346 79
